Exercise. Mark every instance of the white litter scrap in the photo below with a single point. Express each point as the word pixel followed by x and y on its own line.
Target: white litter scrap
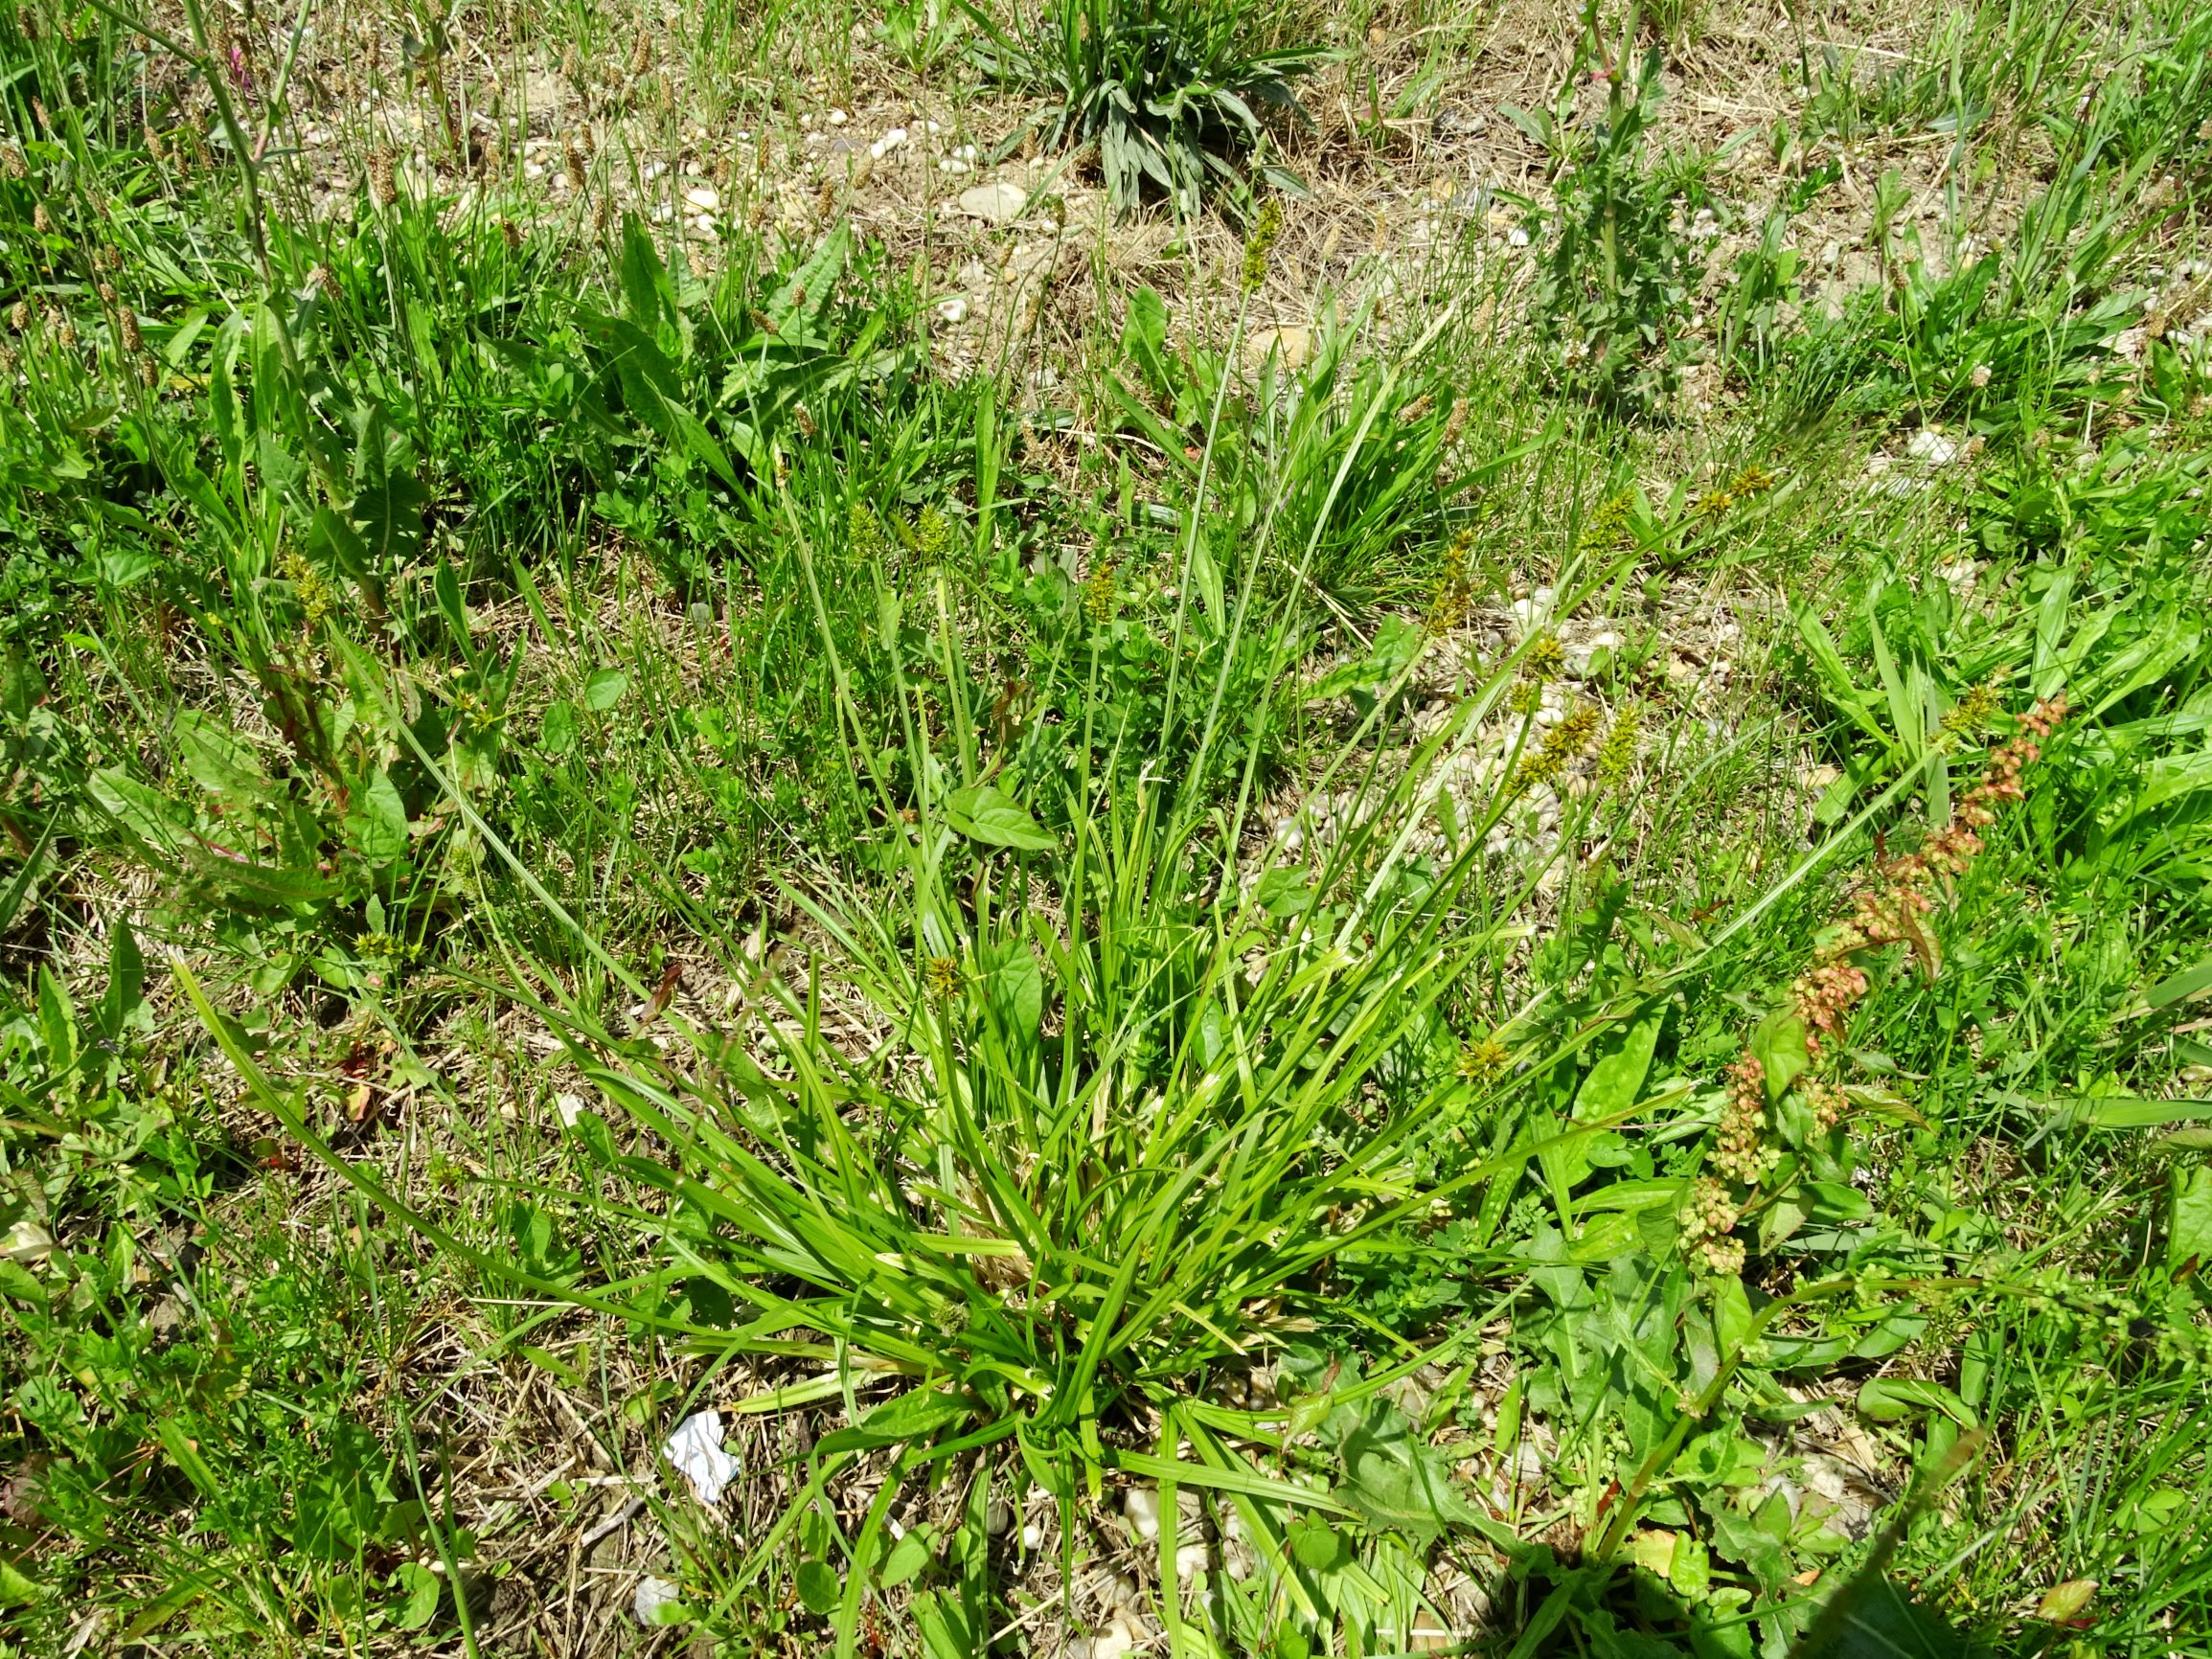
pixel 653 1597
pixel 696 1448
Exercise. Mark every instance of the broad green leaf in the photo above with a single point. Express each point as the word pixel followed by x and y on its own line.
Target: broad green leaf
pixel 1895 1399
pixel 2189 1224
pixel 17 1588
pixel 2123 1111
pixel 423 1588
pixel 605 689
pixel 377 826
pixel 995 819
pixel 1145 339
pixel 1013 990
pixel 144 811
pixel 1779 1045
pixel 218 761
pixel 1397 1480
pixel 1617 1077
pixel 817 1584
pixel 1397 643
pixel 1319 1546
pixel 906 1559
pixel 916 1414
pixel 557 732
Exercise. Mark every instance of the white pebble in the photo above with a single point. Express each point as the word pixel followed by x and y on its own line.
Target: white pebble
pixel 1142 1506
pixel 838 118
pixel 705 198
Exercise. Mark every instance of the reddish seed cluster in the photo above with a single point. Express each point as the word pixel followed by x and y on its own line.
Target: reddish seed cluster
pixel 1825 994
pixel 1740 1153
pixel 1707 1218
pixel 1888 912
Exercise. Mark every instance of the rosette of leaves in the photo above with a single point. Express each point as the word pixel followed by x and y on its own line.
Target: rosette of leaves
pixel 1169 90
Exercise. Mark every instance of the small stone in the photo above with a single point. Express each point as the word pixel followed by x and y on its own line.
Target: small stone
pixel 1141 1505
pixel 1290 345
pixel 1932 446
pixel 998 203
pixel 705 198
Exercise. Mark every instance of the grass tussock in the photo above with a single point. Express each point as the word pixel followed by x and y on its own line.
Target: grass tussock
pixel 1180 827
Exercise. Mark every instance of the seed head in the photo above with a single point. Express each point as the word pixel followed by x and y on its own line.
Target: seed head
pixel 1605 525
pixel 1455 424
pixel 1099 596
pixel 942 978
pixel 150 372
pixel 572 159
pixel 384 189
pixel 67 333
pixel 41 220
pixel 1740 1149
pixel 1545 660
pixel 933 534
pixel 1707 1218
pixel 641 56
pixel 1561 744
pixel 11 163
pixel 1267 226
pixel 20 316
pixel 1617 760
pixel 309 587
pixel 864 536
pixel 1483 1061
pixel 1972 712
pixel 1451 603
pixel 572 66
pixel 127 327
